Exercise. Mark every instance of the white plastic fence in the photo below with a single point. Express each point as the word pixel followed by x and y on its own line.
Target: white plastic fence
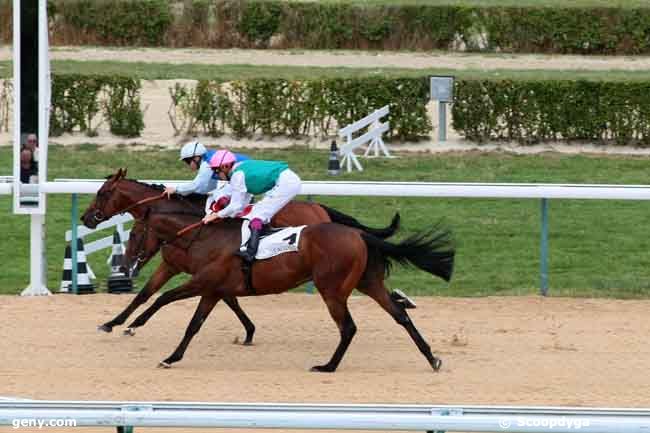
pixel 372 137
pixel 422 418
pixel 106 242
pixel 416 189
pixel 419 189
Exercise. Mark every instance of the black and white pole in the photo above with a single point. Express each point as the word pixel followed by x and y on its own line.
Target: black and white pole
pixel 333 165
pixel 118 282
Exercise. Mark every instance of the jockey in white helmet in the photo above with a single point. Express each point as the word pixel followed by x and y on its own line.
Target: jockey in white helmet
pixel 196 156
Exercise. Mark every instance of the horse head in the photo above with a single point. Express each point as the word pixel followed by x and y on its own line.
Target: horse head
pixel 107 202
pixel 140 248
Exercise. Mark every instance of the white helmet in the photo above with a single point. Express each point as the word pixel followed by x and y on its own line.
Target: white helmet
pixel 192 148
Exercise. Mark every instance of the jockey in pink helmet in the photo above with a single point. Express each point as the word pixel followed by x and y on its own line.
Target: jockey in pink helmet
pixel 274 179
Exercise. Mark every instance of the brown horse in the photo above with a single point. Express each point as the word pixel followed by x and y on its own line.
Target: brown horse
pixel 142 247
pixel 337 258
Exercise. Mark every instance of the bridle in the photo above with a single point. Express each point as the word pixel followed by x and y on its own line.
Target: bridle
pixel 100 217
pixel 141 250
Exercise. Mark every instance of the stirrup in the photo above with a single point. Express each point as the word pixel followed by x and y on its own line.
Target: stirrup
pixel 245 256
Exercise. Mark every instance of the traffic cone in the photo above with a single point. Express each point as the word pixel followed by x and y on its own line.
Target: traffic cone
pixel 84 286
pixel 118 282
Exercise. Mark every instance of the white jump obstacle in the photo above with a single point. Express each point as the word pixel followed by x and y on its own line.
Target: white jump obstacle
pixel 106 242
pixel 116 223
pixel 372 137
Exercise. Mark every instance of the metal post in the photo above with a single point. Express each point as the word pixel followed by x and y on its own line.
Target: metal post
pixel 442 121
pixel 37 274
pixel 544 249
pixel 73 245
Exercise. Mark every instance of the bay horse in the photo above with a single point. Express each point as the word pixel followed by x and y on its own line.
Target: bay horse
pixel 337 258
pixel 141 248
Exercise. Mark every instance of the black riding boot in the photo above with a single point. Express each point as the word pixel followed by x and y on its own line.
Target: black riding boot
pixel 251 247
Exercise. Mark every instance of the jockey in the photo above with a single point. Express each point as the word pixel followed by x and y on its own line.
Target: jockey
pixel 196 156
pixel 274 179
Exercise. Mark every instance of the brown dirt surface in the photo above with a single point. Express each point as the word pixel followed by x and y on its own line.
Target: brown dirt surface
pixel 496 350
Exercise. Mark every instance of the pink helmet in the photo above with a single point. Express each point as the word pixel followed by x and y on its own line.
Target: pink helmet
pixel 221 157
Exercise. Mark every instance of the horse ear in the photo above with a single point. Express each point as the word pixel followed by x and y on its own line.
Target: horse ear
pixel 124 173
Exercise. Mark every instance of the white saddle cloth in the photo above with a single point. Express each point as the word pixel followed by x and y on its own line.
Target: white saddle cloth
pixel 284 241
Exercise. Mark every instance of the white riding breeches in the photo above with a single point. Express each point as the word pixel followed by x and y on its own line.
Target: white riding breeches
pixel 286 188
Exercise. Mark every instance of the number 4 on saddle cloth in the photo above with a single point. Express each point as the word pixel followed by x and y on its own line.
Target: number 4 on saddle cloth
pixel 279 241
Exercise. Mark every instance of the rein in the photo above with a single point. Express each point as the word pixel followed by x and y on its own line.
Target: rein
pixel 180 233
pixel 140 202
pixel 191 227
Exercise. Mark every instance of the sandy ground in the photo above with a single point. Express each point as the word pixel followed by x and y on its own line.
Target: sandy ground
pixel 156 101
pixel 510 351
pixel 513 350
pixel 415 60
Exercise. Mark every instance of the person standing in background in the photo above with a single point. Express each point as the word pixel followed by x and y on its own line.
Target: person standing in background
pixel 29 160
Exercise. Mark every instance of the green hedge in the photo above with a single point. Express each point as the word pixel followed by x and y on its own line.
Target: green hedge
pixel 109 22
pixel 6 19
pixel 483 110
pixel 352 24
pixel 535 111
pixel 297 108
pixel 78 99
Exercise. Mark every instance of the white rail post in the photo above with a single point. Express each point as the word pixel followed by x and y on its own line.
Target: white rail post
pixel 37 275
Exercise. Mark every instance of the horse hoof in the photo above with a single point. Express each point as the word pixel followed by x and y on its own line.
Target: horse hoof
pixel 437 363
pixel 246 342
pixel 322 369
pixel 163 364
pixel 105 328
pixel 129 331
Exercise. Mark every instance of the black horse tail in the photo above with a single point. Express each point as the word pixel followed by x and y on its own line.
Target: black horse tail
pixel 432 251
pixel 347 220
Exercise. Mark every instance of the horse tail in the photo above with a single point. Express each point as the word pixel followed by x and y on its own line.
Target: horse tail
pixel 347 220
pixel 431 251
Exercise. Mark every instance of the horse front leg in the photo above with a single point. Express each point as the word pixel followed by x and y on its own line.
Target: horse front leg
pixel 184 291
pixel 243 318
pixel 161 275
pixel 204 308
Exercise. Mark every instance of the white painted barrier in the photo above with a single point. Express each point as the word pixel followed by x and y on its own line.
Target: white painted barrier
pixel 106 242
pixel 422 189
pixel 341 417
pixel 372 137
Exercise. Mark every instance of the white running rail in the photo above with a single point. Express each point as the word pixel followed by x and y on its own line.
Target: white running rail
pixel 333 416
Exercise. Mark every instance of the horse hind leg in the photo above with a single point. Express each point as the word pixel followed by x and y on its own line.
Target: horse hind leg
pixel 339 311
pixel 243 318
pixel 376 290
pixel 335 288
